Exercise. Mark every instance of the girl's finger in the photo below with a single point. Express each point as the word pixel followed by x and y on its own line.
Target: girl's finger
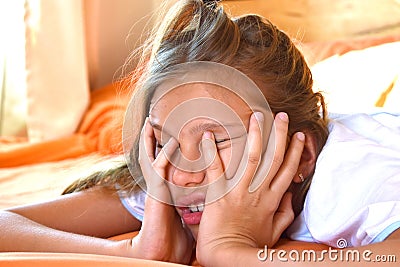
pixel 281 124
pixel 253 149
pixel 165 154
pixel 209 150
pixel 149 140
pixel 290 165
pixel 145 157
pixel 215 173
pixel 146 153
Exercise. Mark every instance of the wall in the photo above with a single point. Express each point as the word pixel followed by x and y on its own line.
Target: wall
pixel 114 27
pixel 320 20
pixel 113 30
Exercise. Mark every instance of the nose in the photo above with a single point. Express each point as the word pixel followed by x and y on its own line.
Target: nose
pixel 187 179
pixel 188 174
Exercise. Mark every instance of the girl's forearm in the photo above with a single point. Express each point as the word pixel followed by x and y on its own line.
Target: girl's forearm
pixel 19 234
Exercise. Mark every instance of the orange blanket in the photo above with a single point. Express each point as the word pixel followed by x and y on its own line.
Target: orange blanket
pixel 76 260
pixel 99 131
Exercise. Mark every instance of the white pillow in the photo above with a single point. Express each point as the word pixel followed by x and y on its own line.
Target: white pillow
pixel 356 80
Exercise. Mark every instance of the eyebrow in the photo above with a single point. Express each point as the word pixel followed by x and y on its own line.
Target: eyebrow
pixel 202 127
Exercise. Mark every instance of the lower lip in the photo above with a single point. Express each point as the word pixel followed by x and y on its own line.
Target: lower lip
pixel 192 218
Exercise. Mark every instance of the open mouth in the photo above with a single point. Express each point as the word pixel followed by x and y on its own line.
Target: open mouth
pixel 191 207
pixel 192 215
pixel 196 208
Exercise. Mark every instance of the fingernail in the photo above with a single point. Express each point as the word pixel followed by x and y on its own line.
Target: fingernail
pixel 283 116
pixel 208 135
pixel 259 116
pixel 300 136
pixel 171 142
pixel 208 147
pixel 167 144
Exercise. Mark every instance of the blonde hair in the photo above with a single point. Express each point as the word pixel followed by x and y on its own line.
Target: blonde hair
pixel 194 31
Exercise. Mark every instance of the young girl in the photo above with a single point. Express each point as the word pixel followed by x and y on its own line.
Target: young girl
pixel 226 223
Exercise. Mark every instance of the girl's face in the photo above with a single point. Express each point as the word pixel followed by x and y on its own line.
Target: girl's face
pixel 189 137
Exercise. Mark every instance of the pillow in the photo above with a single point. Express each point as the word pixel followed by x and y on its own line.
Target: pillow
pixel 360 80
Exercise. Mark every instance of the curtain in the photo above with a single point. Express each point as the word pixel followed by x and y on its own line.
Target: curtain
pixel 70 47
pixel 12 69
pixel 57 80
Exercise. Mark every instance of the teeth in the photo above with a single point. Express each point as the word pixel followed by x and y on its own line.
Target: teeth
pixel 193 208
pixel 200 207
pixel 196 208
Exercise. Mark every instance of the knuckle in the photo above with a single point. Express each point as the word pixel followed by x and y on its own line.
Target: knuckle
pixel 273 205
pixel 256 200
pixel 277 159
pixel 253 159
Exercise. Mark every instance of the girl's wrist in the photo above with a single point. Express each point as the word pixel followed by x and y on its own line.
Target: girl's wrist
pixel 122 248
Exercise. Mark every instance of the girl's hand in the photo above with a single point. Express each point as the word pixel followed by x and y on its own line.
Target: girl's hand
pixel 251 219
pixel 162 235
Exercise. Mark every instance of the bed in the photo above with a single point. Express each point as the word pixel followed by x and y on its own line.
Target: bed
pixel 343 69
